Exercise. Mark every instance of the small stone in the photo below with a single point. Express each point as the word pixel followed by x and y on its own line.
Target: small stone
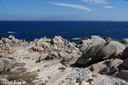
pixel 90 81
pixel 62 69
pixel 11 37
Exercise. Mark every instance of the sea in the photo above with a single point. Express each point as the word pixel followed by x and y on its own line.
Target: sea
pixel 71 30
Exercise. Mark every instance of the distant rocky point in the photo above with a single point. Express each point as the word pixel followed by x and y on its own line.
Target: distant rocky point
pixel 91 61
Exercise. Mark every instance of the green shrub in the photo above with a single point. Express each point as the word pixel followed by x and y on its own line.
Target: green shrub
pixel 20 64
pixel 11 76
pixel 21 70
pixel 28 77
pixel 20 74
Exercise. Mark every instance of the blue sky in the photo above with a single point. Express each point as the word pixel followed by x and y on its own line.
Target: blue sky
pixel 69 10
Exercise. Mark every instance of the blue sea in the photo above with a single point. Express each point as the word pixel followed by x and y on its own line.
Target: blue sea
pixel 30 30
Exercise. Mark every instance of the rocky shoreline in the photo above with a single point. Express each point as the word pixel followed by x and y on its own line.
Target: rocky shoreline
pixel 92 61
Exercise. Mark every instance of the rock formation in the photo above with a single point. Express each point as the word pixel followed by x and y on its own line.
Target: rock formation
pixel 93 40
pixel 5 65
pixel 124 41
pixel 49 62
pixel 125 53
pixel 100 52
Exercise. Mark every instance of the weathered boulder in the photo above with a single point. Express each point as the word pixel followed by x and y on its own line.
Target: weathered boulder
pixel 58 40
pixel 123 70
pixel 100 52
pixel 11 37
pixel 114 62
pixel 93 40
pixel 62 44
pixel 125 53
pixel 123 74
pixel 125 41
pixel 5 65
pixel 11 41
pixel 98 66
pixel 63 54
pixel 124 64
pixel 6 40
pixel 57 48
pixel 42 41
pixel 108 67
pixel 119 46
pixel 55 44
pixel 42 57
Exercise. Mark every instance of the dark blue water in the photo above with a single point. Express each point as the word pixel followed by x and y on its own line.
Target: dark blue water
pixel 30 30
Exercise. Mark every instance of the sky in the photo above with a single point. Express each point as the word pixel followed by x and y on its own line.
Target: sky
pixel 64 10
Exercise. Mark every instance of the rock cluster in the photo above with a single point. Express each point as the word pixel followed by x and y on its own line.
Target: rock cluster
pixel 86 77
pixel 8 45
pixel 93 40
pixel 55 61
pixel 101 51
pixel 109 58
pixel 124 41
pixel 56 48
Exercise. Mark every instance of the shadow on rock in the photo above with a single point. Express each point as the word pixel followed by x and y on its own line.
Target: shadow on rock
pixel 99 52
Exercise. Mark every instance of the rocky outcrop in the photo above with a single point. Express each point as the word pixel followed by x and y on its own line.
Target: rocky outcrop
pixel 52 59
pixel 125 53
pixel 123 70
pixel 108 67
pixel 5 65
pixel 125 63
pixel 100 52
pixel 93 40
pixel 57 48
pixel 123 74
pixel 125 41
pixel 86 77
pixel 119 46
pixel 9 44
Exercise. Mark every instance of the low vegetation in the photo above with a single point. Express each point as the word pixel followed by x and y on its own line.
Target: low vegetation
pixel 19 73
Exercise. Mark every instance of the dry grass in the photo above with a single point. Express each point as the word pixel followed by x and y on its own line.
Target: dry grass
pixel 20 64
pixel 19 74
pixel 28 77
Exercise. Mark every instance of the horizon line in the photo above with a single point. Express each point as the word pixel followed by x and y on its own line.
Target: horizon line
pixel 71 20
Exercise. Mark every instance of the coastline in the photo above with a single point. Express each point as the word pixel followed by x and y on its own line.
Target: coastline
pixel 58 61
